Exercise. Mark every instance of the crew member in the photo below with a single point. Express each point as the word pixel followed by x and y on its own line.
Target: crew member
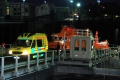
pixel 58 48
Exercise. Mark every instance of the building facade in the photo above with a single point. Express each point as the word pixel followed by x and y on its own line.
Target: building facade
pixel 63 12
pixel 16 11
pixel 44 9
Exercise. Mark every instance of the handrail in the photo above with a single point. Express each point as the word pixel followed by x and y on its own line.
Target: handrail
pixel 83 32
pixel 26 64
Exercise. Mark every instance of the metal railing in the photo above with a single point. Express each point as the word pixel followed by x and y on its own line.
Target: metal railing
pixel 83 32
pixel 21 68
pixel 11 71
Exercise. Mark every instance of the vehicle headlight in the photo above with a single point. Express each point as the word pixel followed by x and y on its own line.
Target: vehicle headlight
pixel 25 53
pixel 10 52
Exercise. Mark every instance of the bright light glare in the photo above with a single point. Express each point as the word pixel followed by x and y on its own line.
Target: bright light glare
pixel 25 53
pixel 78 4
pixel 87 29
pixel 10 52
pixel 98 1
pixel 92 47
pixel 75 14
pixel 62 41
pixel 44 1
pixel 71 1
pixel 17 57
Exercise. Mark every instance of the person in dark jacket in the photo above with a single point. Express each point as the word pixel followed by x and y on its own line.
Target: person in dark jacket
pixel 58 48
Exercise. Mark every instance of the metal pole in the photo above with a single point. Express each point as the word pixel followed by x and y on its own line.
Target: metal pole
pixel 95 58
pixel 59 57
pixel 72 10
pixel 2 77
pixel 37 66
pixel 118 55
pixel 46 60
pixel 101 57
pixel 98 8
pixel 64 54
pixel 28 65
pixel 2 51
pixel 52 57
pixel 16 66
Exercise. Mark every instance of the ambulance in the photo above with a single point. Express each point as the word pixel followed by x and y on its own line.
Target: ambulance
pixel 30 44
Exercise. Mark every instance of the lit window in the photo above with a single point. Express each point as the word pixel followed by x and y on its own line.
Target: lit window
pixel 7 11
pixel 116 16
pixel 105 14
pixel 60 38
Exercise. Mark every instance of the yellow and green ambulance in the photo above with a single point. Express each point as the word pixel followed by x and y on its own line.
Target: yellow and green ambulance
pixel 30 44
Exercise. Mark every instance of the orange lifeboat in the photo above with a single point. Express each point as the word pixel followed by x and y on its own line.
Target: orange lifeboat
pixel 100 45
pixel 67 32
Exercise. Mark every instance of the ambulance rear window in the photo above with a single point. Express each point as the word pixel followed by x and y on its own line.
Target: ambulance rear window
pixel 39 42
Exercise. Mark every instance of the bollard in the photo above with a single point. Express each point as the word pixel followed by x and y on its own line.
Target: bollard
pixel 59 57
pixel 64 54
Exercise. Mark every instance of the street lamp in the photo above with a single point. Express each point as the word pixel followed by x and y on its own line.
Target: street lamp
pixel 23 1
pixel 78 5
pixel 71 1
pixel 98 6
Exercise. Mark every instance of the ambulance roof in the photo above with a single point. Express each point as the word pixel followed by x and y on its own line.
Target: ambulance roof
pixel 29 36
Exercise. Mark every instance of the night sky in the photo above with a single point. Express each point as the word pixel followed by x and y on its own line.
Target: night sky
pixel 61 3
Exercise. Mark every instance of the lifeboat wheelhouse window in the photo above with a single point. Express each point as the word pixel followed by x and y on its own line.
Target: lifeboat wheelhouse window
pixel 60 38
pixel 55 38
pixel 76 44
pixel 83 45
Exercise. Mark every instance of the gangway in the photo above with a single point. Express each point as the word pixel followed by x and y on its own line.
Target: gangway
pixel 85 59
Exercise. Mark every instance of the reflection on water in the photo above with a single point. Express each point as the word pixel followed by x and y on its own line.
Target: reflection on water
pixel 116 36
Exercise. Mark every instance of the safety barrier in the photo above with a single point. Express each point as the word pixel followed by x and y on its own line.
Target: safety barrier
pixel 18 69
